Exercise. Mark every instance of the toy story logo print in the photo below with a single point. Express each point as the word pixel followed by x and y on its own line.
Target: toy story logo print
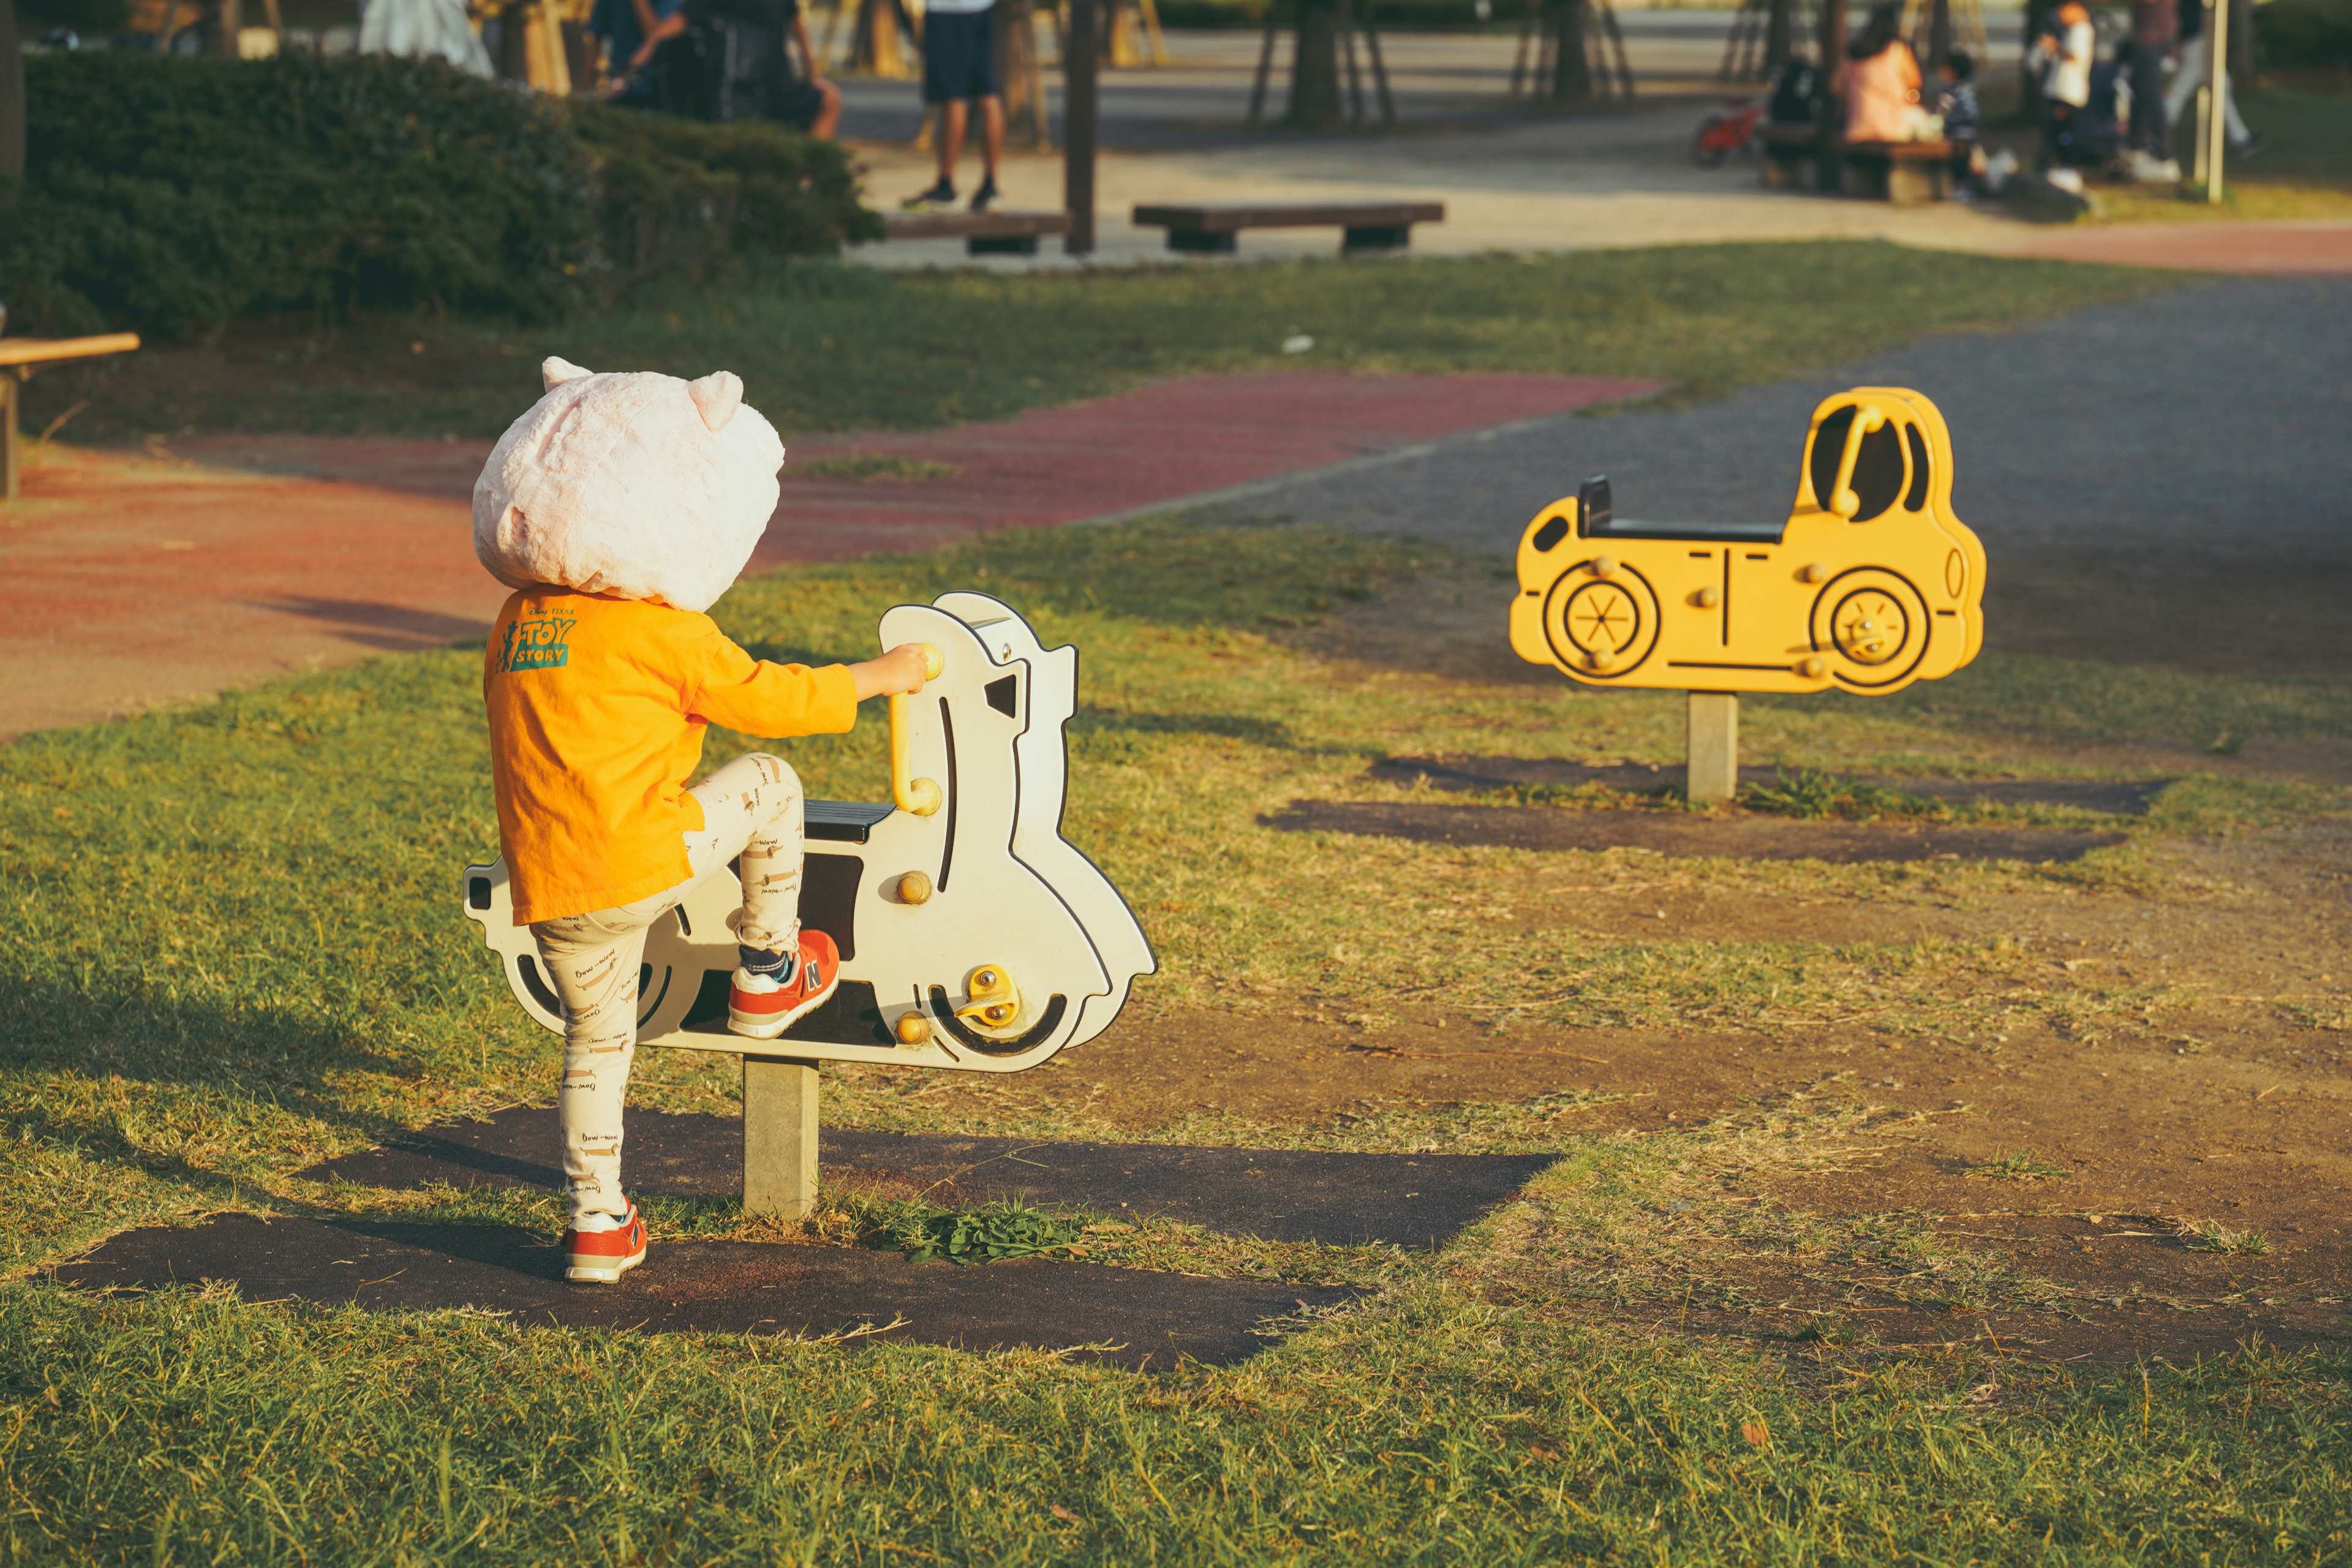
pixel 537 643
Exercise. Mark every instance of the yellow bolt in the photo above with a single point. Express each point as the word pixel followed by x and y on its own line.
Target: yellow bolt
pixel 1811 572
pixel 913 1029
pixel 914 888
pixel 1811 668
pixel 1708 599
pixel 1604 565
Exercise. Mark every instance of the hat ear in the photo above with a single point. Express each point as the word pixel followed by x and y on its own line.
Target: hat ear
pixel 718 395
pixel 554 373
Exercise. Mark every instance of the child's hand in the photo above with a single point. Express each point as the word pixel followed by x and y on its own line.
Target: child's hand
pixel 898 673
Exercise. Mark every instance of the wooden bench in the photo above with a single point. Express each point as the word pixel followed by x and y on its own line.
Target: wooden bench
pixel 1907 173
pixel 1365 226
pixel 1002 233
pixel 19 357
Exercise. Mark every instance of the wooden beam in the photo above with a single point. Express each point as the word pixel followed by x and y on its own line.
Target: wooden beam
pixel 45 351
pixel 1081 103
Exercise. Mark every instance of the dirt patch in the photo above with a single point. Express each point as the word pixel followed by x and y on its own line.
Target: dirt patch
pixel 1737 836
pixel 2233 1110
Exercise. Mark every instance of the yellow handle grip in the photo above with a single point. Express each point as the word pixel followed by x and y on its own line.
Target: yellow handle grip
pixel 1867 417
pixel 921 796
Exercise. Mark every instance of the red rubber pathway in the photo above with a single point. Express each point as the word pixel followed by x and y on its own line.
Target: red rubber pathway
pixel 2289 247
pixel 147 579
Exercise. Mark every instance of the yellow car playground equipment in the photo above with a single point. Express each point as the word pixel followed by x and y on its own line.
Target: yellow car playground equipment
pixel 1870 584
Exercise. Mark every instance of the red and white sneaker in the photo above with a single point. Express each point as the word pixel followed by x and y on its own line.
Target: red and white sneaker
pixel 758 1006
pixel 601 1257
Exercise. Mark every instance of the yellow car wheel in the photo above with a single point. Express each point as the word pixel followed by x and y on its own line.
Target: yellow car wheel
pixel 1873 625
pixel 1601 618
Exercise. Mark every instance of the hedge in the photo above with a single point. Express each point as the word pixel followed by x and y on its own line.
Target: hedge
pixel 170 195
pixel 2304 34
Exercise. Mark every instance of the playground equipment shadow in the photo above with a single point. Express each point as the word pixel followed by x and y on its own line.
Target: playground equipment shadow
pixel 1739 835
pixel 1123 1316
pixel 1281 1195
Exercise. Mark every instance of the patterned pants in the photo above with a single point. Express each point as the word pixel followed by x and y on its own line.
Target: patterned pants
pixel 751 809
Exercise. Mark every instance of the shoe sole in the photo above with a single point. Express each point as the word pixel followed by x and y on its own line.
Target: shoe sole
pixel 601 1272
pixel 769 1028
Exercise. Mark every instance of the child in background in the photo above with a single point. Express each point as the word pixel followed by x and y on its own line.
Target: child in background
pixel 618 508
pixel 1956 105
pixel 2065 55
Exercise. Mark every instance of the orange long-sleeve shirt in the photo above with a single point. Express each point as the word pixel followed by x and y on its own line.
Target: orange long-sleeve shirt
pixel 597 709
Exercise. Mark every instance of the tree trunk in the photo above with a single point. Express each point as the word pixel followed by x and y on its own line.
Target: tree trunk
pixel 1315 100
pixel 1939 35
pixel 1781 35
pixel 231 21
pixel 1571 73
pixel 1831 175
pixel 12 104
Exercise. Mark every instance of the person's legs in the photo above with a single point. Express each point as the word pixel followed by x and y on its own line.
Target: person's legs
pixel 751 809
pixel 753 812
pixel 992 131
pixel 2186 80
pixel 828 119
pixel 592 960
pixel 955 117
pixel 2148 126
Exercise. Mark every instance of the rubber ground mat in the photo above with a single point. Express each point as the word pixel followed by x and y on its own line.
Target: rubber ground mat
pixel 1676 833
pixel 2118 797
pixel 1282 1194
pixel 1132 1318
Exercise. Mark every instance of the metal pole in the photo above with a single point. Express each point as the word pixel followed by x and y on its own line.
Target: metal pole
pixel 2217 33
pixel 1080 103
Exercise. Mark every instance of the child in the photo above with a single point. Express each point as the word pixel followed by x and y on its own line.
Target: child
pixel 1956 105
pixel 2065 54
pixel 617 508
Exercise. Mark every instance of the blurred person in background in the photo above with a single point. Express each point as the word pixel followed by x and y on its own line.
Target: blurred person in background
pixel 1881 82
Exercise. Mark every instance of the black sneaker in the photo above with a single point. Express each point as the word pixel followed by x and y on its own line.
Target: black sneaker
pixel 2250 146
pixel 986 194
pixel 939 195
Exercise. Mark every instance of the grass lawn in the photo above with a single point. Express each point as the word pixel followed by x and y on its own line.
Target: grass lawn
pixel 235 951
pixel 827 346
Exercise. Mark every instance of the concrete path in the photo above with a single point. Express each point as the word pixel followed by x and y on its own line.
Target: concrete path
pixel 1512 176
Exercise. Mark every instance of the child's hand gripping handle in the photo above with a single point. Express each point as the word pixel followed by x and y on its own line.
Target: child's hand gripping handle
pixel 921 796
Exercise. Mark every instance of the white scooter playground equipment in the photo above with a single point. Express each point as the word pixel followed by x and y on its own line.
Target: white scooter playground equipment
pixel 973 936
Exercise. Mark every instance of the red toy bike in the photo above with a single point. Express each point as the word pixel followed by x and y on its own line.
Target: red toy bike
pixel 1731 129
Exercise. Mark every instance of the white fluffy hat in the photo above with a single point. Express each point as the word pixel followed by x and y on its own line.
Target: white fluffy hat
pixel 637 485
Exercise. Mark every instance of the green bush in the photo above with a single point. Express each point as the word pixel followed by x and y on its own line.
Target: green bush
pixel 170 195
pixel 2304 34
pixel 684 198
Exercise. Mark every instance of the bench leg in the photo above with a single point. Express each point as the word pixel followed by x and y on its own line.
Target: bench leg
pixel 1207 241
pixel 1912 184
pixel 779 1136
pixel 1378 236
pixel 8 437
pixel 1001 245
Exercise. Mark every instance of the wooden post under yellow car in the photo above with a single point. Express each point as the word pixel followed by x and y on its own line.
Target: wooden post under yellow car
pixel 1870 584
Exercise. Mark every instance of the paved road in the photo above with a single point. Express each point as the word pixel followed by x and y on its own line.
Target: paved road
pixel 2185 460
